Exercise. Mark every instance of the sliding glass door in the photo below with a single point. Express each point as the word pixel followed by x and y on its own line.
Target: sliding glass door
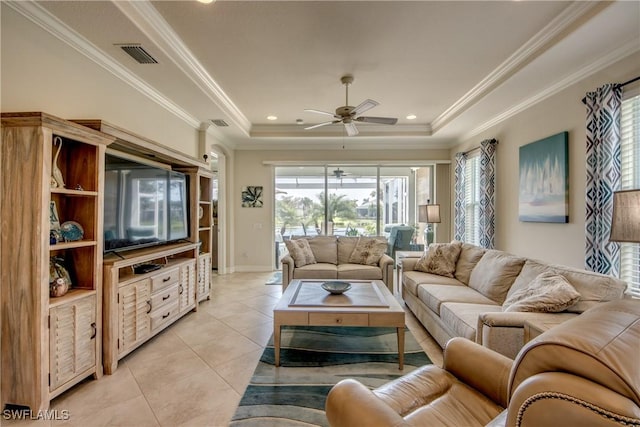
pixel 350 200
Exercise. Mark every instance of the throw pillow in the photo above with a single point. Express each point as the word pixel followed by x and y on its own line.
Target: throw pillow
pixel 300 251
pixel 368 251
pixel 440 259
pixel 548 293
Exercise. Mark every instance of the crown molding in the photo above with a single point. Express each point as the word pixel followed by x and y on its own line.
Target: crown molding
pixel 148 20
pixel 48 22
pixel 614 56
pixel 526 53
pixel 333 131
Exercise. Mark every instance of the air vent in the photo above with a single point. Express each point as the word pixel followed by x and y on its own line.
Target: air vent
pixel 219 122
pixel 138 53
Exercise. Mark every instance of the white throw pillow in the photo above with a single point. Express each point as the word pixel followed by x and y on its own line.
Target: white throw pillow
pixel 548 293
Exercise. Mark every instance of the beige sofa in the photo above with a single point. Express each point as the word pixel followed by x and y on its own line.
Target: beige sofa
pixel 469 304
pixel 580 373
pixel 332 255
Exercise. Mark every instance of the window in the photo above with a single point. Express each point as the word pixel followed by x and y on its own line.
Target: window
pixel 630 156
pixel 472 198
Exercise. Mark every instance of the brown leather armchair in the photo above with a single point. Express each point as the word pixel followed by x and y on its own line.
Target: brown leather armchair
pixel 583 372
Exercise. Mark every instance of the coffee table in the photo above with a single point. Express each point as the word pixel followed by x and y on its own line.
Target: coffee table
pixel 367 303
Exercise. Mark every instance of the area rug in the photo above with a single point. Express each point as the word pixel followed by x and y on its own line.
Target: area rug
pixel 313 359
pixel 275 279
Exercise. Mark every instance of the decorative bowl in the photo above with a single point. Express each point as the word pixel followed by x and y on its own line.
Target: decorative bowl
pixel 336 287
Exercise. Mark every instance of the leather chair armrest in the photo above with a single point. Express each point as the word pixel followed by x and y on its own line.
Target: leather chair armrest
pixel 540 398
pixel 287 271
pixel 478 367
pixel 351 404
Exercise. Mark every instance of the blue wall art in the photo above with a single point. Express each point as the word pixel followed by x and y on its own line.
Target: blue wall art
pixel 544 180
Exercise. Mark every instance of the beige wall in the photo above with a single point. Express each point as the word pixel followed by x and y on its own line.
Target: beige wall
pixel 253 229
pixel 558 243
pixel 41 73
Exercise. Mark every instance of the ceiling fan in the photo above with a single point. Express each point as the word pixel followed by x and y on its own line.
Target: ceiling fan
pixel 339 173
pixel 347 114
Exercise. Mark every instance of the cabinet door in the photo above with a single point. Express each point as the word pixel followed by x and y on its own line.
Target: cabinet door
pixel 187 285
pixel 72 340
pixel 134 322
pixel 204 276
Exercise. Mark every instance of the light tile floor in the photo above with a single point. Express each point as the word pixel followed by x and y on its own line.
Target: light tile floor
pixel 194 372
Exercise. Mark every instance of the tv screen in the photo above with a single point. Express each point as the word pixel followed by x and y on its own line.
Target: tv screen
pixel 144 204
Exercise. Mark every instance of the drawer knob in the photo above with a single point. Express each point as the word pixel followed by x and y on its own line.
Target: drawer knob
pixel 94 330
pixel 166 279
pixel 149 304
pixel 166 315
pixel 338 320
pixel 181 289
pixel 166 298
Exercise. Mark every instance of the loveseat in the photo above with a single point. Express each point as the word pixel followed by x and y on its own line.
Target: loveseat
pixel 468 295
pixel 583 372
pixel 337 257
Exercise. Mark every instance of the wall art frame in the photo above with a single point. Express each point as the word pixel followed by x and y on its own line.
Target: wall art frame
pixel 252 197
pixel 543 193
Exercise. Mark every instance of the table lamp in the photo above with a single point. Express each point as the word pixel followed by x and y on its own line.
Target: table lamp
pixel 429 214
pixel 625 221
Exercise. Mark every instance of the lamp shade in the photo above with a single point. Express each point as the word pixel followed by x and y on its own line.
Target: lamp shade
pixel 625 221
pixel 429 213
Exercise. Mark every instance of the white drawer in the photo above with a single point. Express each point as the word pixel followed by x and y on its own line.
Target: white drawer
pixel 164 278
pixel 165 296
pixel 163 315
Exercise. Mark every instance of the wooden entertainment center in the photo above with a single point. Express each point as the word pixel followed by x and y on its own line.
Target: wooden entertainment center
pixel 49 344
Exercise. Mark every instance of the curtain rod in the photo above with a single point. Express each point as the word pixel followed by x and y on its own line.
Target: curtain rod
pixel 629 82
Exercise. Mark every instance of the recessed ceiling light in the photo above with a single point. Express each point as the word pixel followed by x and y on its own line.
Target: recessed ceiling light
pixel 272 117
pixel 206 1
pixel 411 117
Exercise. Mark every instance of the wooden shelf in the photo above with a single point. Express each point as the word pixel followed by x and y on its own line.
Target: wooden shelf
pixel 70 296
pixel 78 193
pixel 72 245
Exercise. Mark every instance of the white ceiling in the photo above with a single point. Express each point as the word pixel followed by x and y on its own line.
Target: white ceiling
pixel 458 66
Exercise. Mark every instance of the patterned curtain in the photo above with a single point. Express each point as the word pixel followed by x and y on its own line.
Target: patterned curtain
pixel 603 177
pixel 487 193
pixel 458 203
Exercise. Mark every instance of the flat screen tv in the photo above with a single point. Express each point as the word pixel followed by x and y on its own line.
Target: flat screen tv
pixel 144 204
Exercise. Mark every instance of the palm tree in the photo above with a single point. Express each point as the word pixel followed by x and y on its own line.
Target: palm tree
pixel 287 213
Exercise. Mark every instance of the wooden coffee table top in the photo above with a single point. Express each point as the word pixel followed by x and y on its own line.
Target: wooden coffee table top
pixel 365 296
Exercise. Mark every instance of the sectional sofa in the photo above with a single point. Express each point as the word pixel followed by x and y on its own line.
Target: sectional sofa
pixel 470 301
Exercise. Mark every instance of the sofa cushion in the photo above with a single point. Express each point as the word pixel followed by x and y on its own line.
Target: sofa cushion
pixel 469 257
pixel 530 270
pixel 316 271
pixel 462 318
pixel 324 248
pixel 435 295
pixel 346 245
pixel 494 274
pixel 368 251
pixel 547 293
pixel 359 272
pixel 593 287
pixel 440 259
pixel 300 251
pixel 412 279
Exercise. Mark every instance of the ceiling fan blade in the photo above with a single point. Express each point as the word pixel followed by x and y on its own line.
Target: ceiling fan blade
pixel 365 105
pixel 351 128
pixel 323 124
pixel 309 110
pixel 380 120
